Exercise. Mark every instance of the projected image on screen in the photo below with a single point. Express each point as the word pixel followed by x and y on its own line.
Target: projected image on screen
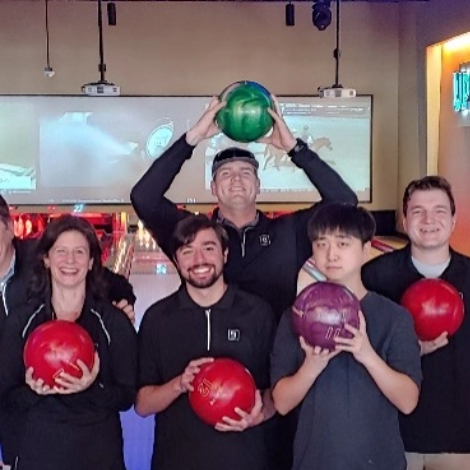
pixel 90 153
pixel 338 130
pixel 17 147
pixel 79 149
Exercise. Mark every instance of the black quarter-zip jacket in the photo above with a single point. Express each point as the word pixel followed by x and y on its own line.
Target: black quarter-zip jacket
pixel 176 331
pixel 80 430
pixel 263 259
pixel 13 300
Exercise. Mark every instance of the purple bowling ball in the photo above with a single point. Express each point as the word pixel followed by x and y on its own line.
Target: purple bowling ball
pixel 321 311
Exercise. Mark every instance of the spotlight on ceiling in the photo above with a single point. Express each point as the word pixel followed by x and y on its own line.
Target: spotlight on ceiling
pixel 290 14
pixel 321 14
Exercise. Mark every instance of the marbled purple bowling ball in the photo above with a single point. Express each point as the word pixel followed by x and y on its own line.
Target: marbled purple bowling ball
pixel 321 311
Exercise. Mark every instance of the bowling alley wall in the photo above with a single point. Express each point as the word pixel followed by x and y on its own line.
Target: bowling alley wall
pixel 197 48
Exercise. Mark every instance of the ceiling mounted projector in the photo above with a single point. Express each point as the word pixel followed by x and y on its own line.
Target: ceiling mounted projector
pixel 101 89
pixel 336 92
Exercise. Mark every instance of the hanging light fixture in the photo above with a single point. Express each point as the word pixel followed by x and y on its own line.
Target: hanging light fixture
pixel 290 14
pixel 48 70
pixel 321 14
pixel 111 8
pixel 337 90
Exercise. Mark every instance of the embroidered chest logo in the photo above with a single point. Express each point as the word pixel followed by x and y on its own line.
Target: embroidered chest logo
pixel 264 240
pixel 233 334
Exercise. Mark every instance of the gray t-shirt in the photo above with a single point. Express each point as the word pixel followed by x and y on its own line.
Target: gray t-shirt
pixel 430 271
pixel 345 422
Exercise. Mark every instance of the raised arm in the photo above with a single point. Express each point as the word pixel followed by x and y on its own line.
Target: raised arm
pixel 327 181
pixel 159 214
pixel 330 185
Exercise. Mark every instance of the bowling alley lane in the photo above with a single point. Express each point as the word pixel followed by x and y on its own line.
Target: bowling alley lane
pixel 152 274
pixel 153 277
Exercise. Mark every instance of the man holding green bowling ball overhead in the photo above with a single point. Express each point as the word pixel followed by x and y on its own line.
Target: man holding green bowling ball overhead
pixel 264 254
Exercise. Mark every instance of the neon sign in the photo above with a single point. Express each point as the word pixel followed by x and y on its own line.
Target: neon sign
pixel 461 88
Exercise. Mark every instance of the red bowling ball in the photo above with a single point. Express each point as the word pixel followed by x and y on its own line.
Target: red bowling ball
pixel 321 311
pixel 55 347
pixel 220 387
pixel 436 306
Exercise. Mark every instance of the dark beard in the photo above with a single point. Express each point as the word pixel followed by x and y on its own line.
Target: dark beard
pixel 203 284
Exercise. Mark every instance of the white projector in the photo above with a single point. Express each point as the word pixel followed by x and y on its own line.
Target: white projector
pixel 101 89
pixel 339 92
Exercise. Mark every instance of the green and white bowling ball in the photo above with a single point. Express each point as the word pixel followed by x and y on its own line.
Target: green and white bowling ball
pixel 245 118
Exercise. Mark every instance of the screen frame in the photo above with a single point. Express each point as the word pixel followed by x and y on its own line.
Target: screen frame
pixel 114 204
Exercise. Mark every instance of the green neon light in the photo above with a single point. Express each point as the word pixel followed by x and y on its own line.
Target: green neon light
pixel 461 89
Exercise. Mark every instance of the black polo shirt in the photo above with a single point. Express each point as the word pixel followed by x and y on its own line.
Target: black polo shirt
pixel 175 331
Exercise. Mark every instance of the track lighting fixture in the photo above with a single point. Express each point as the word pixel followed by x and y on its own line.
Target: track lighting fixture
pixel 321 14
pixel 290 14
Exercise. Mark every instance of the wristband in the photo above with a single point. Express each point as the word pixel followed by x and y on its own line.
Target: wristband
pixel 298 147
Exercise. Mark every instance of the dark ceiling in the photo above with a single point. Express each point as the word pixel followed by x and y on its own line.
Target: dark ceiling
pixel 255 1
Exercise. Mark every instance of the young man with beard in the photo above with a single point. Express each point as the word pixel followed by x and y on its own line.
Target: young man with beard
pixel 203 320
pixel 437 433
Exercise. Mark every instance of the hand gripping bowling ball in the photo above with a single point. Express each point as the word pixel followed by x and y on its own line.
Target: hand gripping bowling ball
pixel 436 306
pixel 220 387
pixel 321 311
pixel 245 117
pixel 55 347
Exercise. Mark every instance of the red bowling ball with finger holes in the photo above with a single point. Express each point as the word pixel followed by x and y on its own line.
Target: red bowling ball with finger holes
pixel 220 387
pixel 321 311
pixel 436 307
pixel 55 347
